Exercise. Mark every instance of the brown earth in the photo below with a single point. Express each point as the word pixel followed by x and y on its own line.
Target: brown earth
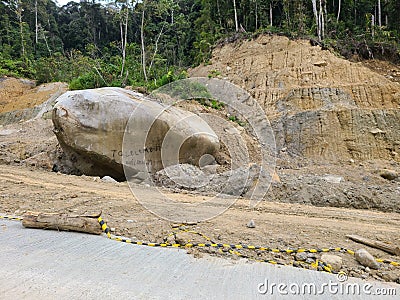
pixel 16 94
pixel 321 106
pixel 333 120
pixel 278 225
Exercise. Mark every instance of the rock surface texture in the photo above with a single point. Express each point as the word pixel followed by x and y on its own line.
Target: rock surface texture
pixel 321 106
pixel 90 127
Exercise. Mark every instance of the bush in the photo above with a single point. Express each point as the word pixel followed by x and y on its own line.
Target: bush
pixel 88 80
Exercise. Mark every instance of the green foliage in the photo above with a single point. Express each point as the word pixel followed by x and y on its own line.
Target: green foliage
pixel 185 90
pixel 237 120
pixel 215 104
pixel 81 43
pixel 16 68
pixel 214 74
pixel 86 81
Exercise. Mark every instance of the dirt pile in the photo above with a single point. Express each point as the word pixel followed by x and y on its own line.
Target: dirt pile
pixel 21 99
pixel 321 106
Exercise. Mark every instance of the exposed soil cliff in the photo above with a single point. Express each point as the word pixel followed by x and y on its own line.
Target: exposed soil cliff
pixel 321 106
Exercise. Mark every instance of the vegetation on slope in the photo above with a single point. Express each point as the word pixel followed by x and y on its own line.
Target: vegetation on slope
pixel 150 42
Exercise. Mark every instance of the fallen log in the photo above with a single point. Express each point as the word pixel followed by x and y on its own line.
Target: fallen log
pixel 392 249
pixel 62 221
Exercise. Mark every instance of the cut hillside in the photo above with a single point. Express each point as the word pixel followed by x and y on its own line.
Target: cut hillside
pixel 321 106
pixel 21 99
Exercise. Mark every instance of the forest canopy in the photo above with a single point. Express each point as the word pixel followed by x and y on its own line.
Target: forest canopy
pixel 151 42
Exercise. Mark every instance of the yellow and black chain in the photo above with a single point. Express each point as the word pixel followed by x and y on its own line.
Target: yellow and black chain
pixel 230 248
pixel 11 218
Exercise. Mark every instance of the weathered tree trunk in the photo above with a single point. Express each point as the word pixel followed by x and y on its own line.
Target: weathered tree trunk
pixel 392 249
pixel 62 221
pixel 339 8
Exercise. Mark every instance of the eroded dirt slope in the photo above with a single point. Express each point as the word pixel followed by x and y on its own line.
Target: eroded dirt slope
pixel 321 106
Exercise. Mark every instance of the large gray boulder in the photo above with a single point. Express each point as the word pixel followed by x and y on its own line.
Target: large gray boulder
pixel 90 127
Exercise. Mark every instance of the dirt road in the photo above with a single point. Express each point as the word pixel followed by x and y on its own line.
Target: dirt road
pixel 278 225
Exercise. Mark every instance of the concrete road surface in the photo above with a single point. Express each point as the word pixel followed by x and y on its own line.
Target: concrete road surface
pixel 40 264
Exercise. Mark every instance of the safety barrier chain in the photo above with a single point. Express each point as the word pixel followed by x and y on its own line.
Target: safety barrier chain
pixel 11 218
pixel 231 248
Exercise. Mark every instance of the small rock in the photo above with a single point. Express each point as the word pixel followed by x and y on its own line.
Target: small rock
pixel 310 260
pixel 251 224
pixel 321 63
pixel 130 221
pixel 311 255
pixel 388 174
pixel 333 178
pixel 367 269
pixel 108 179
pixel 376 131
pixel 366 259
pixel 170 239
pixel 301 256
pixel 333 260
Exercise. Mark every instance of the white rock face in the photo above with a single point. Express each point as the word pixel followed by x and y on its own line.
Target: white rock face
pixel 90 126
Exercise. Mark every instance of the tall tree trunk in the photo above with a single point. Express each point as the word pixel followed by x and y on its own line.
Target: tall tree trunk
pixel 236 18
pixel 36 21
pixel 372 25
pixel 321 20
pixel 156 48
pixel 21 29
pixel 124 35
pixel 379 14
pixel 355 12
pixel 270 14
pixel 256 15
pixel 314 4
pixel 219 14
pixel 143 48
pixel 339 8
